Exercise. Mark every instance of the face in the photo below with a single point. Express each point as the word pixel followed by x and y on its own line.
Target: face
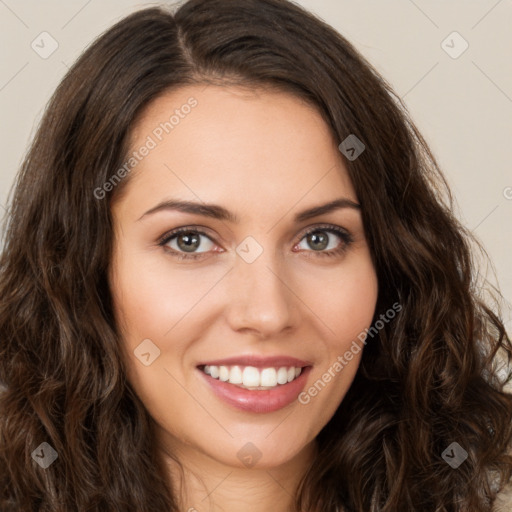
pixel 261 288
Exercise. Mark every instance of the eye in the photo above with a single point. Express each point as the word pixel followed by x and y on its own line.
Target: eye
pixel 190 242
pixel 185 242
pixel 326 240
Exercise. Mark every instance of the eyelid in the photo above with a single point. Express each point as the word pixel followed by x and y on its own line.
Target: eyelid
pixel 323 226
pixel 176 231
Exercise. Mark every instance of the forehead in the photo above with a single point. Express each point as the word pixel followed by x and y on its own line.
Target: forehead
pixel 204 139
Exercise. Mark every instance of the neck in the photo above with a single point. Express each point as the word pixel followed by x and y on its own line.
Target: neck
pixel 202 483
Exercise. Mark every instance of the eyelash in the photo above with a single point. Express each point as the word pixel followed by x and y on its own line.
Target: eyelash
pixel 345 236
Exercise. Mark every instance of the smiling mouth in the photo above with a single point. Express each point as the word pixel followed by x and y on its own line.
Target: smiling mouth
pixel 250 377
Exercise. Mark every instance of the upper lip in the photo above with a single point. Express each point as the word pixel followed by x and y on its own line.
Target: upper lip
pixel 258 361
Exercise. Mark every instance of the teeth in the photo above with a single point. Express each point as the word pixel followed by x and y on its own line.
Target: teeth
pixel 268 377
pixel 223 373
pixel 235 375
pixel 253 378
pixel 282 376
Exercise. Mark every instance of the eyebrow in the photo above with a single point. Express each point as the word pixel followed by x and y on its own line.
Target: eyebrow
pixel 218 212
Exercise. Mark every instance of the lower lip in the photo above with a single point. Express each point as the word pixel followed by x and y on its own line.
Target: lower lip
pixel 258 400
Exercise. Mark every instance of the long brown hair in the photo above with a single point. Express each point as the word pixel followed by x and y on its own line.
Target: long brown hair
pixel 427 379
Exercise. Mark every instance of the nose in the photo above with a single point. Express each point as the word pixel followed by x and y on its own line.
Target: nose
pixel 261 297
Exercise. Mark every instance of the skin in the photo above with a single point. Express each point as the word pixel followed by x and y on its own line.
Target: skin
pixel 265 156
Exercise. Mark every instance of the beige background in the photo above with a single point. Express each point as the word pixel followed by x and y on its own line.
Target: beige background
pixel 462 105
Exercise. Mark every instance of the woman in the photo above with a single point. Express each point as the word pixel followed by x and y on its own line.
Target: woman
pixel 231 281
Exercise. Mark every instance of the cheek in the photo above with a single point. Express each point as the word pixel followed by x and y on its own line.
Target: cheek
pixel 344 301
pixel 357 302
pixel 151 299
pixel 168 308
pixel 346 306
pixel 148 304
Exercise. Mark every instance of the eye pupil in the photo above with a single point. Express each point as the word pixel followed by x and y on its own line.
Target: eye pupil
pixel 318 240
pixel 188 241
